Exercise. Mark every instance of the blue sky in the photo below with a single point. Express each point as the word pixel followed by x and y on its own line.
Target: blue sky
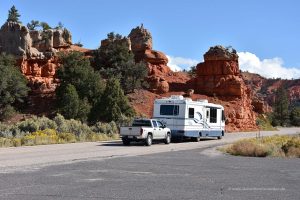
pixel 265 32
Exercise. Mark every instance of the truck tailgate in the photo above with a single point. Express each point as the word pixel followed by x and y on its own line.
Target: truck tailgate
pixel 130 131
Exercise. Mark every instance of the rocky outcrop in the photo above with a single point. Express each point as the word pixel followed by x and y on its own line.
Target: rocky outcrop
pixel 141 40
pixel 35 51
pixel 264 89
pixel 17 40
pixel 156 61
pixel 219 76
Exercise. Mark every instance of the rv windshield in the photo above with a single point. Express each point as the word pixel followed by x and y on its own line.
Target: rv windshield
pixel 169 109
pixel 142 123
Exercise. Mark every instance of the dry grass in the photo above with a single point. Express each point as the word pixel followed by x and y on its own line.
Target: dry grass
pixel 50 136
pixel 275 146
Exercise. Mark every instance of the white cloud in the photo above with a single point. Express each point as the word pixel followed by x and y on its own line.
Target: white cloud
pixel 180 63
pixel 269 68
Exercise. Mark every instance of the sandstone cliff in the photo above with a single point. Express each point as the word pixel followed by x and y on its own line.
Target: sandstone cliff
pixel 264 89
pixel 219 76
pixel 36 53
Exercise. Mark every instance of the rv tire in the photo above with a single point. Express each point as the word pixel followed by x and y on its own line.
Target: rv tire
pixel 220 137
pixel 196 139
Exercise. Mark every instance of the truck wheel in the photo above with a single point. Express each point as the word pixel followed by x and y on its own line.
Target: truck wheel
pixel 126 142
pixel 168 139
pixel 220 137
pixel 148 140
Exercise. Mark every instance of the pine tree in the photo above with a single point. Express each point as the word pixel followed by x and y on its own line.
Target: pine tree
pixel 45 26
pixel 13 15
pixel 76 70
pixel 295 116
pixel 116 60
pixel 281 108
pixel 68 101
pixel 13 85
pixel 33 24
pixel 113 103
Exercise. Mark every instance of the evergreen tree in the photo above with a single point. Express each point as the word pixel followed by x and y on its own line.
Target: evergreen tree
pixel 68 101
pixel 113 103
pixel 193 71
pixel 13 15
pixel 116 60
pixel 281 108
pixel 13 85
pixel 59 25
pixel 295 116
pixel 45 26
pixel 134 75
pixel 33 24
pixel 76 70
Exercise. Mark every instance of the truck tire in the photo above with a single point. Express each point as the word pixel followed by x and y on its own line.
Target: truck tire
pixel 148 140
pixel 125 141
pixel 168 139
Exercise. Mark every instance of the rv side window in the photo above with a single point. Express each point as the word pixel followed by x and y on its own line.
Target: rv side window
pixel 223 115
pixel 191 112
pixel 213 115
pixel 169 109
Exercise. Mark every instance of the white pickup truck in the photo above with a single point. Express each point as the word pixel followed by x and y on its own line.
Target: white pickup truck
pixel 145 130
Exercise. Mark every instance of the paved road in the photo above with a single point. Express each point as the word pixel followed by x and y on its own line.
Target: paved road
pixel 37 156
pixel 177 171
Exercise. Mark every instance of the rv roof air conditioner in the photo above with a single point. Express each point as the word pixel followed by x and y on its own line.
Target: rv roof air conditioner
pixel 177 97
pixel 202 100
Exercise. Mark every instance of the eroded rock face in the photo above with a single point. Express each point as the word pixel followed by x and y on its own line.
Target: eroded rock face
pixel 219 76
pixel 141 39
pixel 41 74
pixel 36 53
pixel 17 40
pixel 156 61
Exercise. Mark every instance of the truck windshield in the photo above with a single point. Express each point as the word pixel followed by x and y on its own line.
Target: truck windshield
pixel 142 123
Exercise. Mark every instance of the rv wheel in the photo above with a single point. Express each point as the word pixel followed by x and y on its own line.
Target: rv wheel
pixel 196 139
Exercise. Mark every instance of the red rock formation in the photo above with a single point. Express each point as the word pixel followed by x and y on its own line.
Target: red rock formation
pixel 219 76
pixel 264 89
pixel 156 61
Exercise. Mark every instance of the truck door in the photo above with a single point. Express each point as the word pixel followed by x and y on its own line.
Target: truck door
pixel 155 130
pixel 161 130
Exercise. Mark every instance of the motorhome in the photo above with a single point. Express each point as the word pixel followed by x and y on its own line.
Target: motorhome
pixel 188 118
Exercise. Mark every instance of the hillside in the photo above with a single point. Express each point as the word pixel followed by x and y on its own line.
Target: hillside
pixel 218 78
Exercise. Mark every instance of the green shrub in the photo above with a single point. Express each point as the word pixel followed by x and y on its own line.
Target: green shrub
pixel 5 142
pixel 42 130
pixel 61 123
pixel 7 112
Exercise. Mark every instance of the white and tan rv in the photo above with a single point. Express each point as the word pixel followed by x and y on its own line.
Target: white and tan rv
pixel 192 119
